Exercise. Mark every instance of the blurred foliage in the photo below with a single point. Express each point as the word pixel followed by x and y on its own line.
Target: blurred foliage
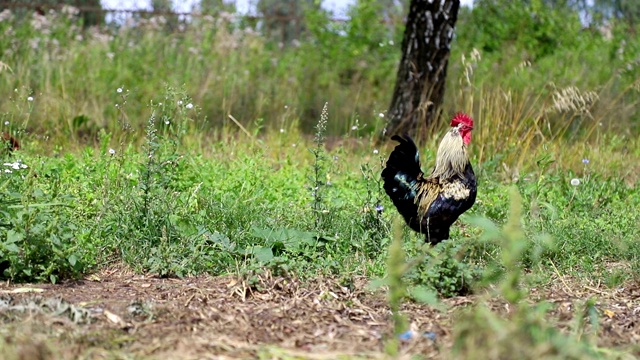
pixel 213 7
pixel 284 20
pixel 536 28
pixel 91 16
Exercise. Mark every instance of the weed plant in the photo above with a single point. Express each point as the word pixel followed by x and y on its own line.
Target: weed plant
pixel 482 333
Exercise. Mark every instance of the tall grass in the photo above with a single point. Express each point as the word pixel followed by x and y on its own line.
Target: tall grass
pixel 229 69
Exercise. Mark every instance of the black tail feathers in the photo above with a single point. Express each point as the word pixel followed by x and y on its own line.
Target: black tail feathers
pixel 401 175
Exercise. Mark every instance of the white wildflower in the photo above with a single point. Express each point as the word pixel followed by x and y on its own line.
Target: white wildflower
pixel 575 182
pixel 281 131
pixel 381 115
pixel 354 127
pixel 6 123
pixel 8 171
pixel 375 151
pixel 189 106
pixel 167 122
pixel 34 43
pixel 5 15
pixel 112 151
pixel 119 90
pixel 179 102
pixel 70 10
pixel 30 98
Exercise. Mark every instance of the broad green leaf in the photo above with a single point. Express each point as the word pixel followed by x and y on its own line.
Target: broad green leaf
pixel 12 247
pixel 427 296
pixel 72 259
pixel 14 236
pixel 263 254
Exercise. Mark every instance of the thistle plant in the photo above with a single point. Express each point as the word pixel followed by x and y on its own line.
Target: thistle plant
pixel 151 167
pixel 149 209
pixel 122 118
pixel 319 168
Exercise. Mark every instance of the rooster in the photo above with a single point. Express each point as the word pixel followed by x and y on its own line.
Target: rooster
pixel 431 204
pixel 9 142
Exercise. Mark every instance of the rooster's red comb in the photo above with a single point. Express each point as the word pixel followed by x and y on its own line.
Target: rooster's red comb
pixel 462 118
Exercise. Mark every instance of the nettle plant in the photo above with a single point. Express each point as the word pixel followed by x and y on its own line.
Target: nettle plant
pixel 37 228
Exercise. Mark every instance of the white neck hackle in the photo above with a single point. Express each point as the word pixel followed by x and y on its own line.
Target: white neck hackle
pixel 452 156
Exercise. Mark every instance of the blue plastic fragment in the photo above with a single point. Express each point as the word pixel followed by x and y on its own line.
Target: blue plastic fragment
pixel 430 335
pixel 407 335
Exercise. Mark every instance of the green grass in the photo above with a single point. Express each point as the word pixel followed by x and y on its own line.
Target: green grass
pixel 177 205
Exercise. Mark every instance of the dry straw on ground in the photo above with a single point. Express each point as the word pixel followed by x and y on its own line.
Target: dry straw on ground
pixel 225 317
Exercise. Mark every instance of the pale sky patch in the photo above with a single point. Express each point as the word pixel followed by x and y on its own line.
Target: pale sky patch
pixel 338 7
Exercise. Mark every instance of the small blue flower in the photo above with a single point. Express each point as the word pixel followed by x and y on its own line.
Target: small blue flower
pixel 407 335
pixel 585 161
pixel 379 208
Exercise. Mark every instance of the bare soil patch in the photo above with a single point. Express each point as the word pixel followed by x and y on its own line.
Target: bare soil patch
pixel 117 314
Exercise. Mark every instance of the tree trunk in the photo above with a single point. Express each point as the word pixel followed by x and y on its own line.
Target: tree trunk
pixel 417 97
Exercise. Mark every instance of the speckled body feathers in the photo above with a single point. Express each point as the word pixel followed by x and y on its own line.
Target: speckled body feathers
pixel 430 205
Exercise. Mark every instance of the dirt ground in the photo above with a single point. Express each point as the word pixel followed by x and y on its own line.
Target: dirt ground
pixel 117 314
